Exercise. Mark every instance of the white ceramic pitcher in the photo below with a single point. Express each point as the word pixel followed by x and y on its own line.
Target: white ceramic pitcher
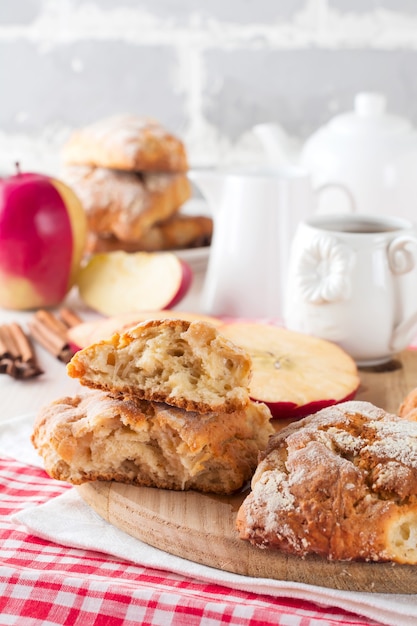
pixel 255 213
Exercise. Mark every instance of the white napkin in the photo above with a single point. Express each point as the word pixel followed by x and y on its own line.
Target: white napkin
pixel 68 520
pixel 15 440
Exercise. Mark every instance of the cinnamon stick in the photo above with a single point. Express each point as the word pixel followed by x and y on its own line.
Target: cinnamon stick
pixel 17 356
pixel 69 318
pixel 51 334
pixel 53 323
pixel 8 344
pixel 22 343
pixel 6 357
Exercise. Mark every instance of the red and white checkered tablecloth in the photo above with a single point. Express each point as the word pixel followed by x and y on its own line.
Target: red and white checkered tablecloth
pixel 43 583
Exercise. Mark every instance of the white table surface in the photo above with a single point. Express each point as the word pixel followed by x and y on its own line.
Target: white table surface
pixel 19 397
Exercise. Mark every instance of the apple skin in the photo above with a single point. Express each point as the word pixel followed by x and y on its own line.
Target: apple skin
pixel 43 231
pixel 187 278
pixel 290 410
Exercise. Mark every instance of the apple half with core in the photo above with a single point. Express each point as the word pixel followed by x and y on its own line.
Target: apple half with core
pixel 42 237
pixel 115 283
pixel 293 373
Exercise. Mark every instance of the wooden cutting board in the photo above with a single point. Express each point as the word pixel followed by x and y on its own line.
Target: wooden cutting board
pixel 201 528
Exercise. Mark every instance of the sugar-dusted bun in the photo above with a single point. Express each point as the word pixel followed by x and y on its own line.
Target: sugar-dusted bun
pixel 96 437
pixel 126 142
pixel 126 204
pixel 341 483
pixel 186 364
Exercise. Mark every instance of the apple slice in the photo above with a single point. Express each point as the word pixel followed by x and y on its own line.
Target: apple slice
pixel 87 333
pixel 293 373
pixel 121 282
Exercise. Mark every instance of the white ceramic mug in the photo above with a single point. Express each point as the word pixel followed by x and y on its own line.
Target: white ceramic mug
pixel 352 279
pixel 255 212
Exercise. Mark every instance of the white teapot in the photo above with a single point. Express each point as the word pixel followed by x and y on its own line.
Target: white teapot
pixel 369 151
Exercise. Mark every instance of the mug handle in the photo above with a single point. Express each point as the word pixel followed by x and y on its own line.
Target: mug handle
pixel 327 186
pixel 402 260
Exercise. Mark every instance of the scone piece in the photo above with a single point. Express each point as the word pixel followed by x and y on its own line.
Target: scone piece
pixel 126 204
pixel 185 364
pixel 126 142
pixel 341 483
pixel 175 233
pixel 408 407
pixel 96 437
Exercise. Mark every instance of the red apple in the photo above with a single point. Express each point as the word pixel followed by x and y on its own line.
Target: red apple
pixel 115 283
pixel 42 237
pixel 293 373
pixel 87 333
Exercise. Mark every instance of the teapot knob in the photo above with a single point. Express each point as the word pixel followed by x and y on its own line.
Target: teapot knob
pixel 370 104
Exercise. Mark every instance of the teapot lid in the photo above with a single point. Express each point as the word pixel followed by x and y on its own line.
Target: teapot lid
pixel 369 115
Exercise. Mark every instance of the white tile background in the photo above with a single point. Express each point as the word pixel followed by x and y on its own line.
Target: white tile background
pixel 207 70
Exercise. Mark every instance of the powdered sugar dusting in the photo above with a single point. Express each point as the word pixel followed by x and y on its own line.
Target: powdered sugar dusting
pixel 127 142
pixel 122 203
pixel 273 484
pixel 395 440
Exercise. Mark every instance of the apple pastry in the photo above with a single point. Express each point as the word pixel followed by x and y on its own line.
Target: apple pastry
pixel 126 204
pixel 126 142
pixel 186 364
pixel 170 409
pixel 94 436
pixel 341 483
pixel 130 174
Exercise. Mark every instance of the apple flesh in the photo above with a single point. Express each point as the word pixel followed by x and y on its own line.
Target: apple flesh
pixel 43 231
pixel 115 283
pixel 293 373
pixel 87 333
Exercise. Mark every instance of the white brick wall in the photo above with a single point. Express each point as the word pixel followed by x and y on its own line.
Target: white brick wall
pixel 208 70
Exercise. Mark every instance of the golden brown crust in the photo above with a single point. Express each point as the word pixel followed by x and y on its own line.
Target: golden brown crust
pixel 96 437
pixel 341 483
pixel 91 332
pixel 175 233
pixel 126 204
pixel 185 364
pixel 127 142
